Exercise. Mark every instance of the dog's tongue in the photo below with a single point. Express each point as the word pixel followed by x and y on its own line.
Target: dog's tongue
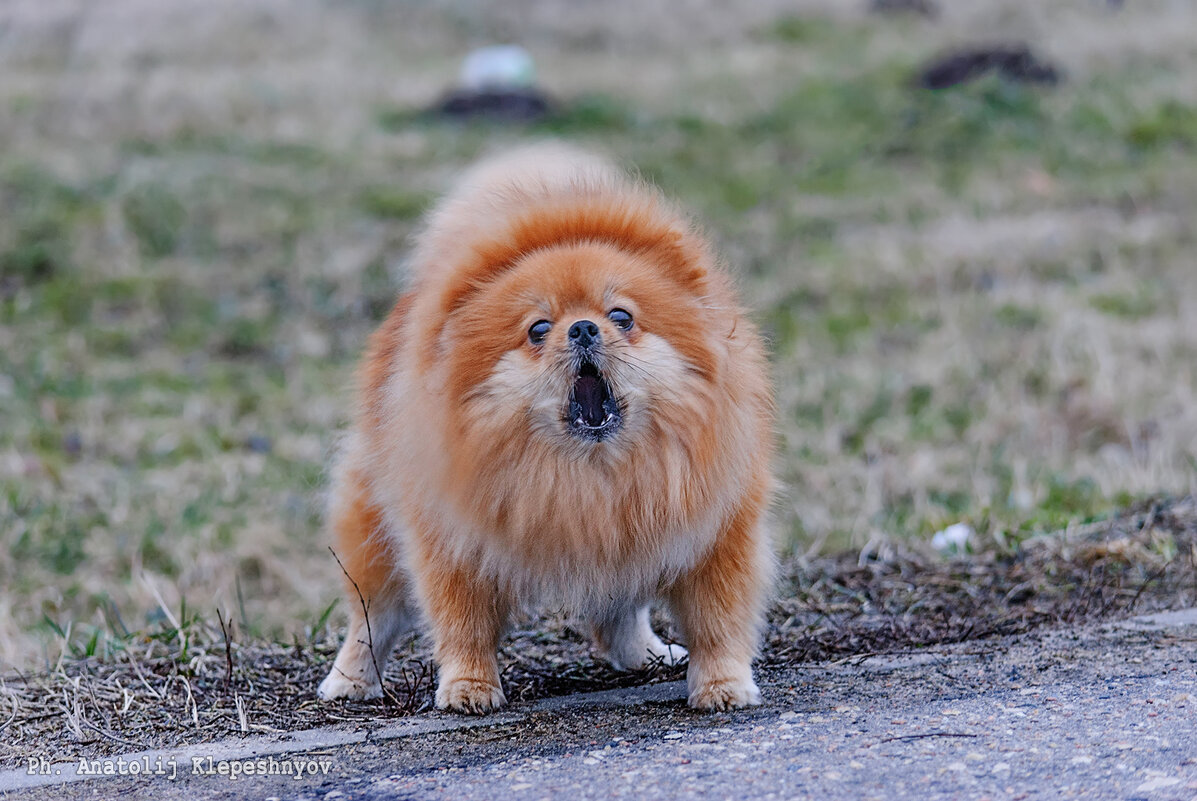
pixel 590 393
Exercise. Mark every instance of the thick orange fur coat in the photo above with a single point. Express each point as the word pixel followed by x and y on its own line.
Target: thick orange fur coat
pixel 567 406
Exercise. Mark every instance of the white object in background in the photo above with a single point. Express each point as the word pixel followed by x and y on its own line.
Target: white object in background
pixel 498 67
pixel 953 539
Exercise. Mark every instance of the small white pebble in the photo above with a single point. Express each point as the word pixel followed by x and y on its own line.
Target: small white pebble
pixel 953 539
pixel 1156 783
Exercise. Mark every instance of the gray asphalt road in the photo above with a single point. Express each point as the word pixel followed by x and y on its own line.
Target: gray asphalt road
pixel 1102 712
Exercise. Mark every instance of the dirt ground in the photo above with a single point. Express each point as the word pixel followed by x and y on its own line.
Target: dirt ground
pixel 1087 710
pixel 192 686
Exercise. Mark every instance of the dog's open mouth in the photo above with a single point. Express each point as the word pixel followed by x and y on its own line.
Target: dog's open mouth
pixel 593 413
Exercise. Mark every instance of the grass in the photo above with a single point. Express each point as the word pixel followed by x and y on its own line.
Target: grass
pixel 977 298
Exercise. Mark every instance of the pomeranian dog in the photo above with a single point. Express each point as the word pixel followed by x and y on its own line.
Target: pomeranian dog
pixel 567 406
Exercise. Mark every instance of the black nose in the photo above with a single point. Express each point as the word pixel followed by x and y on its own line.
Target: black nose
pixel 583 333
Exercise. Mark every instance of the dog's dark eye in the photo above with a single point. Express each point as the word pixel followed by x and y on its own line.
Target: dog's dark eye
pixel 621 318
pixel 538 331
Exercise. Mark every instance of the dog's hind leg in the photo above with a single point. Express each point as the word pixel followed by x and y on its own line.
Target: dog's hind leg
pixel 376 591
pixel 625 637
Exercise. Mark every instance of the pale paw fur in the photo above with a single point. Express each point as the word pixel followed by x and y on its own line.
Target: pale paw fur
pixel 669 653
pixel 636 657
pixel 718 695
pixel 337 685
pixel 628 641
pixel 472 696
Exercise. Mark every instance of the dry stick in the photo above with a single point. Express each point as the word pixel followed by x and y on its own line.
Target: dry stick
pixel 928 734
pixel 15 706
pixel 242 714
pixel 412 682
pixel 190 702
pixel 109 735
pixel 369 634
pixel 1155 576
pixel 95 702
pixel 228 653
pixel 140 675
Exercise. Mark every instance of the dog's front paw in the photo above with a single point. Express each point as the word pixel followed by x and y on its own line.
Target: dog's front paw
pixel 718 695
pixel 337 685
pixel 472 696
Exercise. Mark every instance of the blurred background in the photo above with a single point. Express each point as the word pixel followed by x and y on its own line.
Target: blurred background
pixel 966 227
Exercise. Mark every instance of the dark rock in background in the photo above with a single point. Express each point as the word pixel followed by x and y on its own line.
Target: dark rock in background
pixel 507 105
pixel 1013 62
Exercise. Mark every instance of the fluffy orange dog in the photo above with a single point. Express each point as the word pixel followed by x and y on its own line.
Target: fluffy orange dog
pixel 567 406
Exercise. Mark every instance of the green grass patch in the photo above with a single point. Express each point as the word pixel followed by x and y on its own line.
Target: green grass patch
pixel 811 31
pixel 156 217
pixel 188 141
pixel 1069 501
pixel 589 114
pixel 1020 318
pixel 37 216
pixel 394 203
pixel 1172 123
pixel 1126 305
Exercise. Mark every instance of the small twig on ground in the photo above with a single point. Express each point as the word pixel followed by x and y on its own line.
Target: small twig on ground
pixel 95 702
pixel 927 734
pixel 15 705
pixel 1155 576
pixel 189 703
pixel 856 659
pixel 369 633
pixel 228 653
pixel 72 710
pixel 107 735
pixel 161 602
pixel 137 669
pixel 413 682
